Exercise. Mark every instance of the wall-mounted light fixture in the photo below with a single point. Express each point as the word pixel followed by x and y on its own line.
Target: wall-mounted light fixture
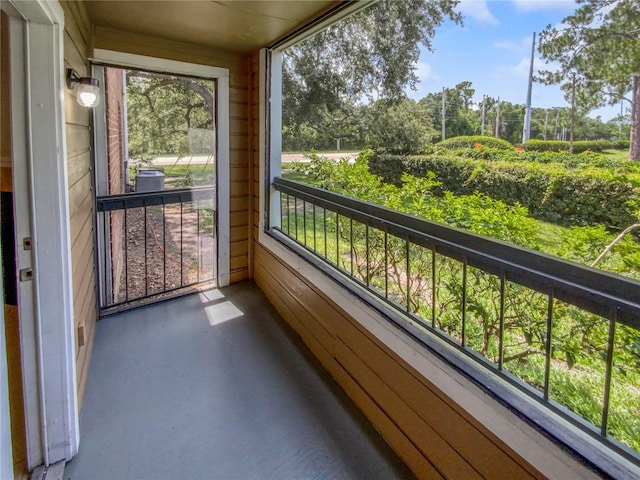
pixel 87 89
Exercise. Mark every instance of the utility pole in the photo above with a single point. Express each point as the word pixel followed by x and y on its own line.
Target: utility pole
pixel 573 111
pixel 498 119
pixel 443 113
pixel 556 135
pixel 526 131
pixel 620 122
pixel 546 121
pixel 484 101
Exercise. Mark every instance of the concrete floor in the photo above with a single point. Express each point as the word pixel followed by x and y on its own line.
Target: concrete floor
pixel 215 386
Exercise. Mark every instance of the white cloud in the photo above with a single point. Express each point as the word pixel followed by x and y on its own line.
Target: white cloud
pixel 478 10
pixel 524 45
pixel 521 69
pixel 567 6
pixel 424 72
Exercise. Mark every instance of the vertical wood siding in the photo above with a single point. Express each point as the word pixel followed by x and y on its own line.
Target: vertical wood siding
pixel 239 113
pixel 77 38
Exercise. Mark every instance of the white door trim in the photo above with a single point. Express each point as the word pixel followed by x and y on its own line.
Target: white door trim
pixel 222 128
pixel 38 137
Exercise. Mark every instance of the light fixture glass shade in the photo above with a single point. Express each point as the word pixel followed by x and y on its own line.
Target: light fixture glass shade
pixel 88 92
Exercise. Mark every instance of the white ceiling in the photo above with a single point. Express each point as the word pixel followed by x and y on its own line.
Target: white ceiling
pixel 232 25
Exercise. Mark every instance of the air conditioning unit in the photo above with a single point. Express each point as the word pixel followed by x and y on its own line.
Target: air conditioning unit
pixel 149 180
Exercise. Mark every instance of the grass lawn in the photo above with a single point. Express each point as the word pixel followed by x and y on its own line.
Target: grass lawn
pixel 179 171
pixel 617 154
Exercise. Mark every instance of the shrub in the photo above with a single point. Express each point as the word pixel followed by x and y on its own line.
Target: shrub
pixel 569 160
pixel 563 146
pixel 620 144
pixel 551 192
pixel 473 140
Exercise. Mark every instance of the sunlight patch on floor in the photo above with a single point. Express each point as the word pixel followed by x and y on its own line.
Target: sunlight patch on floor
pixel 222 312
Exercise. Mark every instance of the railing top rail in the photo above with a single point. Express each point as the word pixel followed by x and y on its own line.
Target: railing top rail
pixel 594 290
pixel 163 197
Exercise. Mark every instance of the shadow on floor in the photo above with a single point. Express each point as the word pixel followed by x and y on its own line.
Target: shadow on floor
pixel 216 386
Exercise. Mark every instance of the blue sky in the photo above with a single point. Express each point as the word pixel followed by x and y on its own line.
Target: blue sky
pixel 493 51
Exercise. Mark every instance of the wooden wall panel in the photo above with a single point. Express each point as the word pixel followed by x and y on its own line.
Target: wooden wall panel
pixel 239 108
pixel 77 38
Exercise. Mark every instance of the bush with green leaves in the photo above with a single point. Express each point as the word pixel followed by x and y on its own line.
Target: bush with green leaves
pixel 620 144
pixel 471 141
pixel 572 160
pixel 551 191
pixel 563 146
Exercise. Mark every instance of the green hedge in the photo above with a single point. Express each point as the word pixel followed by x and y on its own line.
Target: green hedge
pixel 551 192
pixel 621 144
pixel 471 141
pixel 569 160
pixel 562 146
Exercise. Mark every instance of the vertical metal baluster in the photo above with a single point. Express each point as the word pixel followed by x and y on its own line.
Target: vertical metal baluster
pixel 386 265
pixel 126 257
pixel 547 347
pixel 146 277
pixel 281 210
pixel 351 242
pixel 406 250
pixel 314 228
pixel 288 216
pixel 103 262
pixel 181 249
pixel 304 221
pixel 295 216
pixel 337 240
pixel 501 328
pixel 433 287
pixel 164 247
pixel 464 301
pixel 324 215
pixel 198 251
pixel 366 234
pixel 613 317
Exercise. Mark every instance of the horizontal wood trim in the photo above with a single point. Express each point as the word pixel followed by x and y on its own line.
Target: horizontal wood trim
pixel 81 230
pixel 238 233
pixel 239 249
pixel 78 192
pixel 238 219
pixel 75 114
pixel 77 20
pixel 239 204
pixel 78 139
pixel 239 275
pixel 78 165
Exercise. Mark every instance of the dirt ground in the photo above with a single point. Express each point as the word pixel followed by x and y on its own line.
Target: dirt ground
pixel 167 247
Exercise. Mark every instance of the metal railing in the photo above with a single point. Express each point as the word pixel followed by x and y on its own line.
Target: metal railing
pixel 154 243
pixel 534 319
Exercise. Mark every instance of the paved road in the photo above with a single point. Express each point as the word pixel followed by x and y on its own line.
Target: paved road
pixel 203 159
pixel 299 157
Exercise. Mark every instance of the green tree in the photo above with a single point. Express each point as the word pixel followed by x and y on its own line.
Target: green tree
pixel 369 55
pixel 163 109
pixel 401 127
pixel 599 46
pixel 459 118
